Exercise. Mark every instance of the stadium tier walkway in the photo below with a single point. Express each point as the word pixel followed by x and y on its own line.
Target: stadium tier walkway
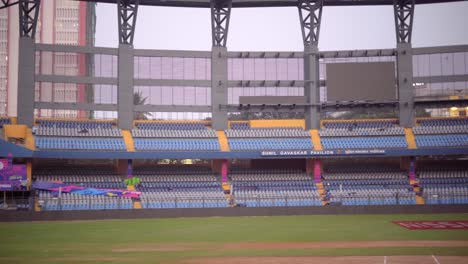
pixel 316 139
pixel 409 135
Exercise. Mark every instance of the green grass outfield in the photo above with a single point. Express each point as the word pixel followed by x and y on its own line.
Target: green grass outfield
pixel 96 241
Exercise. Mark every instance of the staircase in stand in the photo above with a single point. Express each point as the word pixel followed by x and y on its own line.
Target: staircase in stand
pixel 136 201
pixel 314 167
pixel 314 134
pixel 414 182
pixel 223 141
pixel 409 135
pixel 128 139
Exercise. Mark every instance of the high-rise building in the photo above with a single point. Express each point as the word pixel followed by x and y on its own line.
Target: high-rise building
pixel 60 22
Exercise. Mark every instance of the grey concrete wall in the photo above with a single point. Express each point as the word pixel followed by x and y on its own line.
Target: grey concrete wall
pixel 17 216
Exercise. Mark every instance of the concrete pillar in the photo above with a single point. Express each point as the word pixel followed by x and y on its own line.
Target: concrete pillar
pixel 405 84
pixel 125 87
pixel 26 71
pixel 219 86
pixel 312 86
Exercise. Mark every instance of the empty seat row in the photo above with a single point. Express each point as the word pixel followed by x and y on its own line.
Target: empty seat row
pixel 177 144
pixel 388 131
pixel 359 124
pixel 273 132
pixel 240 125
pixel 271 144
pixel 76 124
pixel 453 121
pixel 77 132
pixel 171 126
pixel 364 142
pixel 80 143
pixel 431 130
pixel 442 141
pixel 198 133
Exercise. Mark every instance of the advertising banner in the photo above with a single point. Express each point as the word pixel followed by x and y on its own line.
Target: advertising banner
pixel 68 188
pixel 12 177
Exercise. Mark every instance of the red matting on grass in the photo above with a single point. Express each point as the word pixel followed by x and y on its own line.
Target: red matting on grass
pixel 433 225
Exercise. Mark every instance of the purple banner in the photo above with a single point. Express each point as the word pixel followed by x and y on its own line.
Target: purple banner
pixel 67 188
pixel 12 177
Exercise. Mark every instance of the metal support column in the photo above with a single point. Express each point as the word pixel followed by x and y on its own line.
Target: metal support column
pixel 28 15
pixel 404 13
pixel 127 12
pixel 310 14
pixel 220 14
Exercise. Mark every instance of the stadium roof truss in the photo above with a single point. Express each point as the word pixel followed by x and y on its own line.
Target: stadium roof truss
pixel 310 13
pixel 267 3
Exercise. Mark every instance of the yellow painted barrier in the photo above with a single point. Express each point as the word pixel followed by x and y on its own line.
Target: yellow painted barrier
pixel 314 134
pixel 30 142
pixel 37 208
pixel 277 123
pixel 15 131
pixel 29 173
pixel 409 135
pixel 128 139
pixel 223 141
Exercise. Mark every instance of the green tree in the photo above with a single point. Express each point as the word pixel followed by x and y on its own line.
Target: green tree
pixel 138 99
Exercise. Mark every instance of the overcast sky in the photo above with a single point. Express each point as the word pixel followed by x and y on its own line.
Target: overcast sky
pixel 277 29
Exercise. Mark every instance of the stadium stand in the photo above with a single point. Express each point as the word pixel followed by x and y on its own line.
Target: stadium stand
pixel 368 186
pixel 242 138
pixel 4 121
pixel 78 135
pixel 444 185
pixel 174 136
pixel 259 188
pixel 94 177
pixel 176 187
pixel 442 132
pixel 362 134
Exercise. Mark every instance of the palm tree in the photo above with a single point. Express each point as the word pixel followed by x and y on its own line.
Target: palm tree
pixel 138 99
